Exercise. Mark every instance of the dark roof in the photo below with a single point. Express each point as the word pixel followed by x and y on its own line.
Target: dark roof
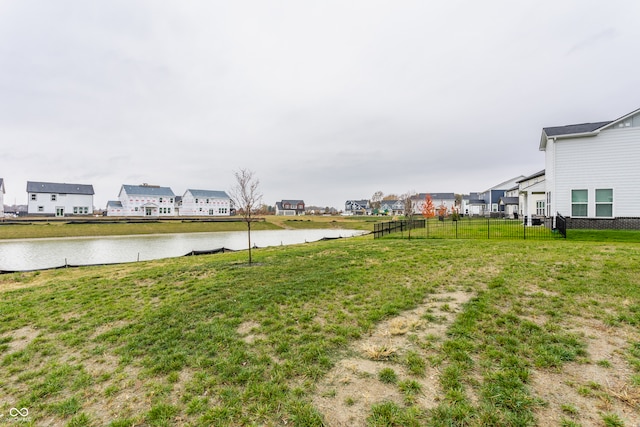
pixel 535 175
pixel 434 196
pixel 574 129
pixel 59 188
pixel 293 202
pixel 509 200
pixel 477 202
pixel 208 193
pixel 148 190
pixel 114 204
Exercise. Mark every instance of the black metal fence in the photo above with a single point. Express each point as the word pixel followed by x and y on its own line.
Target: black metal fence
pixel 383 228
pixel 561 225
pixel 469 228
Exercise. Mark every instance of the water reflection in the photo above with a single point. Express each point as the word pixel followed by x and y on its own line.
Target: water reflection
pixel 34 254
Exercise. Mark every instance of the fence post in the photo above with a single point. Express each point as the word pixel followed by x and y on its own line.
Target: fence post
pixel 524 231
pixel 488 233
pixel 456 229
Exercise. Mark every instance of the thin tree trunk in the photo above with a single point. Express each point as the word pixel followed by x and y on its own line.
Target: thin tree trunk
pixel 249 236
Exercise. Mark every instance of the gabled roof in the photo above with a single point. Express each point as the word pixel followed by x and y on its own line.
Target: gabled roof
pixel 360 203
pixel 293 202
pixel 59 188
pixel 535 175
pixel 579 130
pixel 438 196
pixel 212 194
pixel 147 190
pixel 573 129
pixel 506 184
pixel 509 200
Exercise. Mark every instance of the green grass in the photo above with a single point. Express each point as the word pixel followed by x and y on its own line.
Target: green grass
pixel 210 340
pixel 70 227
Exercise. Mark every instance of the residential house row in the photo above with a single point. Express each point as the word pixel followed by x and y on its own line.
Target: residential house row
pixel 157 201
pixel 62 199
pixel 590 177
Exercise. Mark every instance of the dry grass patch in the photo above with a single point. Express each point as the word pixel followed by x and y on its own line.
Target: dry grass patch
pixel 596 386
pixel 347 393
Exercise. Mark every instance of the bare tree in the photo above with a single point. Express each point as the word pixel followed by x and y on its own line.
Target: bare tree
pixel 376 201
pixel 246 198
pixel 409 211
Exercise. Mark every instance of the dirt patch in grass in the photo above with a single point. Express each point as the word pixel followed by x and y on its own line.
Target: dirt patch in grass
pixel 586 391
pixel 20 338
pixel 348 391
pixel 245 330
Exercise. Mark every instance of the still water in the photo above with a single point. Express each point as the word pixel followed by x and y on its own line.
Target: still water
pixel 36 254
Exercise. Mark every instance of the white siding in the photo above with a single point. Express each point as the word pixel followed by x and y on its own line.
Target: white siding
pixel 550 174
pixel 608 160
pixel 205 206
pixel 65 201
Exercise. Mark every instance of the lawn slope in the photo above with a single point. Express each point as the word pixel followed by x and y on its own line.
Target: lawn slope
pixel 209 340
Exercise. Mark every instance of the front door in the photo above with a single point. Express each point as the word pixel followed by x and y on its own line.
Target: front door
pixel 59 211
pixel 148 211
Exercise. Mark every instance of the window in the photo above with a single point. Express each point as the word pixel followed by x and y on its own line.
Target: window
pixel 34 197
pixel 604 202
pixel 540 207
pixel 75 209
pixel 40 208
pixel 196 200
pixel 579 200
pixel 160 199
pixel 53 198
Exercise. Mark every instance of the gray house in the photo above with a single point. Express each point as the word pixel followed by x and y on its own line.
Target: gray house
pixel 290 207
pixel 357 207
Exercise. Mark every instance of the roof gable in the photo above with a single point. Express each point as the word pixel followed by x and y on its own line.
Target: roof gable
pixel 578 129
pixel 59 188
pixel 587 129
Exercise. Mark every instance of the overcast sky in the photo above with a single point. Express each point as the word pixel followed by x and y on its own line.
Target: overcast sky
pixel 324 100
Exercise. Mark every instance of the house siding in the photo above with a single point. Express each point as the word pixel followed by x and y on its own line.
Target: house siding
pixel 608 160
pixel 70 199
pixel 208 204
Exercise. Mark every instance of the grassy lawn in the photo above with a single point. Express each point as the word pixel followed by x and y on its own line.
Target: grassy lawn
pixel 61 228
pixel 208 340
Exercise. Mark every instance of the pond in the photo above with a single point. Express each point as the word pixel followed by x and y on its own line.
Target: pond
pixel 38 254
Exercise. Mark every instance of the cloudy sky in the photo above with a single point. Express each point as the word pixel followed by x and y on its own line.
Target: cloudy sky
pixel 324 100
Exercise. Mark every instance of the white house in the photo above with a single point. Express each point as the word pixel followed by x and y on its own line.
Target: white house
pixel 51 198
pixel 143 200
pixel 446 200
pixel 205 203
pixel 592 172
pixel 508 204
pixel 392 207
pixel 532 197
pixel 488 201
pixel 1 197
